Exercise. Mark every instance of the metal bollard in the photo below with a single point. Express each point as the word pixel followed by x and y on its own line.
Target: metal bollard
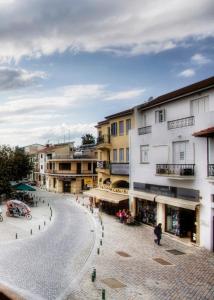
pixel 50 218
pixel 48 204
pixel 98 251
pixel 102 234
pixel 16 236
pixel 31 231
pixel 39 227
pixel 44 223
pixel 103 294
pixel 101 242
pixel 103 227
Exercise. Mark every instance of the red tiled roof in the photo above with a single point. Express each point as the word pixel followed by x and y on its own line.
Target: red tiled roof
pixel 209 132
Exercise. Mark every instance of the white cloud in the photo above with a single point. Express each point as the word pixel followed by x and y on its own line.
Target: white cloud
pixel 200 59
pixel 126 95
pixel 42 27
pixel 187 73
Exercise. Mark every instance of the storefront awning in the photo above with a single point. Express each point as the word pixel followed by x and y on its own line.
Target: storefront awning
pixel 187 204
pixel 143 195
pixel 107 196
pixel 208 132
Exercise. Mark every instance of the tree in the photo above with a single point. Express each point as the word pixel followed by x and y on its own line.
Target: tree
pixel 88 139
pixel 14 165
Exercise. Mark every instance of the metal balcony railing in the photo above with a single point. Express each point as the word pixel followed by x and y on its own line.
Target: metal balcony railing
pixel 179 123
pixel 102 164
pixel 211 170
pixel 144 130
pixel 103 139
pixel 176 169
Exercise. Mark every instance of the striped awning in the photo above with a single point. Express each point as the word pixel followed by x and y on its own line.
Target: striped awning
pixel 108 196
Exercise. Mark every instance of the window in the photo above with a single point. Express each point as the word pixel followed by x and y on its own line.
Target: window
pixel 114 129
pixel 54 182
pixel 127 154
pixel 160 116
pixel 64 166
pixel 121 155
pixel 121 128
pixel 114 155
pixel 89 166
pixel 144 121
pixel 128 125
pixel 200 105
pixel 144 154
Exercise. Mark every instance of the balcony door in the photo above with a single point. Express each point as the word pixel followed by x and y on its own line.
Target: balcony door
pixel 180 152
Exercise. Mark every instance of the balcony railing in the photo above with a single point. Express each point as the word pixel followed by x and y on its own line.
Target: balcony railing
pixel 144 130
pixel 103 164
pixel 211 170
pixel 175 169
pixel 179 123
pixel 120 168
pixel 103 139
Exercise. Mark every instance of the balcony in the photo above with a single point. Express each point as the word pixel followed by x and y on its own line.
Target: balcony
pixel 211 170
pixel 176 171
pixel 120 169
pixel 103 167
pixel 145 130
pixel 103 142
pixel 179 123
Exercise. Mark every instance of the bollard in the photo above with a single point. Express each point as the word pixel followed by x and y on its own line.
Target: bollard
pixel 103 227
pixel 48 204
pixel 31 231
pixel 44 223
pixel 43 201
pixel 98 251
pixel 16 236
pixel 92 277
pixel 39 227
pixel 102 234
pixel 103 294
pixel 101 242
pixel 50 218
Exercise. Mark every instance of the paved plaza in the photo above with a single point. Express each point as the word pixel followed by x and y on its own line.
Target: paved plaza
pixel 131 267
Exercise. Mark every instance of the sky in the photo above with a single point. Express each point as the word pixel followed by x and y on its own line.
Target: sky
pixel 65 64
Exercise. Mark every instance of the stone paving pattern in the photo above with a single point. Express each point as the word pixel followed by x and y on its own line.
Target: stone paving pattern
pixel 191 276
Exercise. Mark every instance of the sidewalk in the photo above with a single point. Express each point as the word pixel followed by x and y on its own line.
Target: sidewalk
pixel 131 267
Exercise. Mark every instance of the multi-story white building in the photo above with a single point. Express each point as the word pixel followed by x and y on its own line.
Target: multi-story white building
pixel 172 163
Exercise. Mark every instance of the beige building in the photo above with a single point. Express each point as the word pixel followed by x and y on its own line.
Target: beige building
pixel 65 169
pixel 113 161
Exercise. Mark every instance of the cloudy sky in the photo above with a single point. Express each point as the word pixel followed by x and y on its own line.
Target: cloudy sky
pixel 66 64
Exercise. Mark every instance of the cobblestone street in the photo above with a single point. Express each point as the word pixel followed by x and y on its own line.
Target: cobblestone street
pixel 186 276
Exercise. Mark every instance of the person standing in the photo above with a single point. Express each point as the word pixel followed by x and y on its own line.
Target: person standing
pixel 158 233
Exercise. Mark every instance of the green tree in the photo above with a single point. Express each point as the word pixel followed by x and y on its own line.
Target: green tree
pixel 14 165
pixel 88 139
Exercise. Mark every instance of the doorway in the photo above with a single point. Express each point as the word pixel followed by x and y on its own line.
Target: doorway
pixel 66 186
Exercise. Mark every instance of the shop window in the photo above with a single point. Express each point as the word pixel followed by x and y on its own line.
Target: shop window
pixel 121 155
pixel 160 116
pixel 121 128
pixel 128 125
pixel 114 129
pixel 144 154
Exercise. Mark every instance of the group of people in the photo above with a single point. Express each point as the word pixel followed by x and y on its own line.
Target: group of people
pixel 125 216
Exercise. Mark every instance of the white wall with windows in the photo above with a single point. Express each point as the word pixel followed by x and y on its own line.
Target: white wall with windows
pixel 170 141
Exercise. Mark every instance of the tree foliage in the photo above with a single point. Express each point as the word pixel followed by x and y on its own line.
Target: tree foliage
pixel 14 165
pixel 88 139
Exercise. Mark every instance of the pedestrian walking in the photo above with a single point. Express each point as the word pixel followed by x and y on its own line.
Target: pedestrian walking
pixel 158 233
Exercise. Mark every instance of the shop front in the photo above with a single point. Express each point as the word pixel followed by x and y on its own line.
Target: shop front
pixel 180 222
pixel 146 211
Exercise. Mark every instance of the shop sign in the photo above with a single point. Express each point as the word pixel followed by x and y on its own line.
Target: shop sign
pixel 88 181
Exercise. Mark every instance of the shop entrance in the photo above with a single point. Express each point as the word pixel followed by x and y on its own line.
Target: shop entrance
pixel 181 222
pixel 146 211
pixel 66 186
